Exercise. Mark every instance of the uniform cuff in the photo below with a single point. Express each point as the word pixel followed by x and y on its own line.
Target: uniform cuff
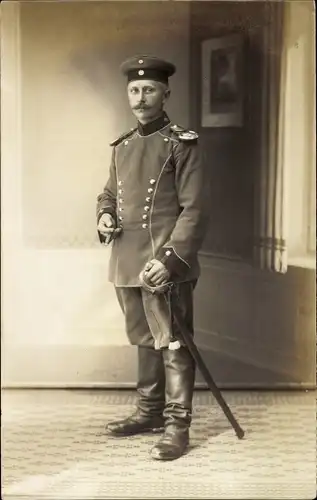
pixel 173 263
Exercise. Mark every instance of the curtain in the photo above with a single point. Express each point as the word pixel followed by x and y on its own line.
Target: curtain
pixel 270 245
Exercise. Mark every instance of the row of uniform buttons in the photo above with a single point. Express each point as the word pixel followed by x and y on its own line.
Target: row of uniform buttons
pixel 147 207
pixel 120 192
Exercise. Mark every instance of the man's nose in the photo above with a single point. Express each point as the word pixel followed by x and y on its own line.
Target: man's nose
pixel 141 97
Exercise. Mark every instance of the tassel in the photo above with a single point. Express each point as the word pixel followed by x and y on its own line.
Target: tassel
pixel 174 345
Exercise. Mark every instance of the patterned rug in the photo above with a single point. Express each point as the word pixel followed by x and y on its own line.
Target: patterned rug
pixel 54 447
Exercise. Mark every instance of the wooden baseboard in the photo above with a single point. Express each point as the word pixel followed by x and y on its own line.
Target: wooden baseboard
pixel 107 367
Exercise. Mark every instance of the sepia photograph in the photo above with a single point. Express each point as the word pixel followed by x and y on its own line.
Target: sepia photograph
pixel 158 249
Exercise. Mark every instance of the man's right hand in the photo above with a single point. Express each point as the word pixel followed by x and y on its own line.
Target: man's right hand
pixel 106 224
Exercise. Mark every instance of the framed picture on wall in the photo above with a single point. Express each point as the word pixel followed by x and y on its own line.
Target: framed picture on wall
pixel 222 81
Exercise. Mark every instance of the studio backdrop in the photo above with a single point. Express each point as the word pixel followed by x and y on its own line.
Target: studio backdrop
pixel 63 102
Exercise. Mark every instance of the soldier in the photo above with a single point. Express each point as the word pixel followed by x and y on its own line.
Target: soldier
pixel 154 208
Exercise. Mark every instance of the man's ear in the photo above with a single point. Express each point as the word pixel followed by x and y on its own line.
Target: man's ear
pixel 167 94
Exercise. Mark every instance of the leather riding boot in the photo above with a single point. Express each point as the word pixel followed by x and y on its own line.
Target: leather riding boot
pixel 180 379
pixel 148 416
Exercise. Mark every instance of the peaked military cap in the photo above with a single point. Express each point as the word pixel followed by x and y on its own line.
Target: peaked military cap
pixel 147 68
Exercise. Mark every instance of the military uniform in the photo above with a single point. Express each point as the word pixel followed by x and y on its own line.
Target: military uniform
pixel 157 193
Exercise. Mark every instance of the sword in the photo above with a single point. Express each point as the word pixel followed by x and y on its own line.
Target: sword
pixel 190 344
pixel 187 338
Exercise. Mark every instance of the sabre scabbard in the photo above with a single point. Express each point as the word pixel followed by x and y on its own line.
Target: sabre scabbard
pixel 174 342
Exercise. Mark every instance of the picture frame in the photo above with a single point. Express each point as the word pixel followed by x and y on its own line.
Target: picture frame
pixel 222 81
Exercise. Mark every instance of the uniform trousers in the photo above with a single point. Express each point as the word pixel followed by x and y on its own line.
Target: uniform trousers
pixel 165 377
pixel 147 317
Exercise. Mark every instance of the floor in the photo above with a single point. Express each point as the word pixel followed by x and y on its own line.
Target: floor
pixel 54 447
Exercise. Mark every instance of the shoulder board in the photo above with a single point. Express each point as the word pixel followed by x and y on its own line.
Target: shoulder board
pixel 184 134
pixel 122 137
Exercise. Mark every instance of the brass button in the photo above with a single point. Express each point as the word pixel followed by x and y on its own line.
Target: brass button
pixel 152 181
pixel 144 216
pixel 121 209
pixel 150 190
pixel 126 143
pixel 120 183
pixel 147 199
pixel 120 191
pixel 146 208
pixel 166 139
pixel 120 217
pixel 120 200
pixel 144 226
pixel 168 253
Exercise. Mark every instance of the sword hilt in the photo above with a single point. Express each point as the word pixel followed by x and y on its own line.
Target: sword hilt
pixel 167 288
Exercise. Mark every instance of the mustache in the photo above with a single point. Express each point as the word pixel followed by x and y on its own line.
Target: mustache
pixel 141 106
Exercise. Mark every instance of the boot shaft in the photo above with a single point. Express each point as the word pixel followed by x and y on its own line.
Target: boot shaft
pixel 151 381
pixel 179 388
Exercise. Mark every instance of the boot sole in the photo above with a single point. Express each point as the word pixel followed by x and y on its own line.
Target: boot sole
pixel 158 430
pixel 158 454
pixel 167 458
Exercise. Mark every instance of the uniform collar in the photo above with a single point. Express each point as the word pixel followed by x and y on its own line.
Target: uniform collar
pixel 154 126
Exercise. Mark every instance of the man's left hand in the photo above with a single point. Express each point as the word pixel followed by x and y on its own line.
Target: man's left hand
pixel 156 272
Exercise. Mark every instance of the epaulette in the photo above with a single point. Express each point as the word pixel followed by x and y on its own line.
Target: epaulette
pixel 122 137
pixel 184 134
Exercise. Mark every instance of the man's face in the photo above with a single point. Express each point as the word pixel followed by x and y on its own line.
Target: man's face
pixel 147 99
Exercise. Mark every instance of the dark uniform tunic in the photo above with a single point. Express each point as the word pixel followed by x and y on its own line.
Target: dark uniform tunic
pixel 157 193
